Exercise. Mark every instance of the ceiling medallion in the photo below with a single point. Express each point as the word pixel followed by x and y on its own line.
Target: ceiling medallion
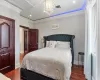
pixel 49 6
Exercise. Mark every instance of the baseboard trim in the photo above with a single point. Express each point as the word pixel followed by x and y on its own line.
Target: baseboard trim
pixel 17 65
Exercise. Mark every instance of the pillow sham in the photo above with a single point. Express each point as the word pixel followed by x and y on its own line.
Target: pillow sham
pixel 64 45
pixel 47 43
pixel 51 44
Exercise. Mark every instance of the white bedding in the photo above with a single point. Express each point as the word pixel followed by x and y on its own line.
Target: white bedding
pixel 51 62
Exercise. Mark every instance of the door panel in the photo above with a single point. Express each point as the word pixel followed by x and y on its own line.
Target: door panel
pixel 1 65
pixel 33 39
pixel 26 41
pixel 5 31
pixel 5 57
pixel 7 44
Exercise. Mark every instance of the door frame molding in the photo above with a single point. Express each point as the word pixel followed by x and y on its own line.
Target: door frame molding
pixel 24 27
pixel 3 17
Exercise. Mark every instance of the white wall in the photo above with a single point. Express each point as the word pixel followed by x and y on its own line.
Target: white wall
pixel 74 25
pixel 21 40
pixel 26 22
pixel 10 11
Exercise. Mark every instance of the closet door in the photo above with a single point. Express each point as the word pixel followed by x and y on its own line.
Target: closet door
pixel 7 47
pixel 33 39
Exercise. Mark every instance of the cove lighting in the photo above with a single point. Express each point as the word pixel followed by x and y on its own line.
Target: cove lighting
pixel 79 9
pixel 67 12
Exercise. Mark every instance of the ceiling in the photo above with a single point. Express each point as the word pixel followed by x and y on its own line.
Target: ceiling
pixel 35 7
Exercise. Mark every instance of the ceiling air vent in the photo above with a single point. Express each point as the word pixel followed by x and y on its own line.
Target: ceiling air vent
pixel 58 6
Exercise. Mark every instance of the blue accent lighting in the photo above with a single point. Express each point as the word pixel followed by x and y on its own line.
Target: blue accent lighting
pixel 79 9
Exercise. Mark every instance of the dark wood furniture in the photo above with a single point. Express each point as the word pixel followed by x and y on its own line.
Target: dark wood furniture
pixel 80 54
pixel 30 75
pixel 7 44
pixel 33 39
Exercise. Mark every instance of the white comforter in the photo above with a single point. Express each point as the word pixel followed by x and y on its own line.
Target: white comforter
pixel 51 62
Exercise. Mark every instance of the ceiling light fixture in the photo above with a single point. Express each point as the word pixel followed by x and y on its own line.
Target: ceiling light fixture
pixel 58 6
pixel 30 15
pixel 49 6
pixel 74 2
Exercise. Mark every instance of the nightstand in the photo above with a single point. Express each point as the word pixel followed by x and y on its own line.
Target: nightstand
pixel 80 54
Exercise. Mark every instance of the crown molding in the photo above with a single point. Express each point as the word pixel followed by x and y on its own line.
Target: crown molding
pixel 10 6
pixel 26 18
pixel 60 17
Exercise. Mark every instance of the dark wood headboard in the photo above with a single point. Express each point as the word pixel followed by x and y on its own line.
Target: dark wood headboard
pixel 61 37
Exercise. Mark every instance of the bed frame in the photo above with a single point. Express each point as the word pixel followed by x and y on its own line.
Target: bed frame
pixel 30 75
pixel 62 37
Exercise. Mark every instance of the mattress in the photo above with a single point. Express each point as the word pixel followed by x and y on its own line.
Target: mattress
pixel 51 62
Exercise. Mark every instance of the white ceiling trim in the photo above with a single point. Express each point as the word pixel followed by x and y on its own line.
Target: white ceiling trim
pixel 29 2
pixel 9 5
pixel 60 17
pixel 40 2
pixel 26 17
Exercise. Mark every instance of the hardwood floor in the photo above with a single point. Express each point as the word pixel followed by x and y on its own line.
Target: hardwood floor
pixel 77 73
pixel 14 75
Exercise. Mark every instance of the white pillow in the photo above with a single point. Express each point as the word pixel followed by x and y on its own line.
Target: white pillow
pixel 47 43
pixel 51 44
pixel 64 45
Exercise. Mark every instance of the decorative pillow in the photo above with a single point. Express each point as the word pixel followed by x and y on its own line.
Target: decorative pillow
pixel 52 44
pixel 47 43
pixel 64 45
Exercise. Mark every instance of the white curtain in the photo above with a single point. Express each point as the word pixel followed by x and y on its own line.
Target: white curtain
pixel 91 40
pixel 87 61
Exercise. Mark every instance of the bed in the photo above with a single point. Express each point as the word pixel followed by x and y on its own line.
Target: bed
pixel 49 63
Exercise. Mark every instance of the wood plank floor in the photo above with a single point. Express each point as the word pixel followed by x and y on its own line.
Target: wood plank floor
pixel 77 73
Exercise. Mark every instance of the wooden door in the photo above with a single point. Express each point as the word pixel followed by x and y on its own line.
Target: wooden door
pixel 33 39
pixel 7 44
pixel 26 41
